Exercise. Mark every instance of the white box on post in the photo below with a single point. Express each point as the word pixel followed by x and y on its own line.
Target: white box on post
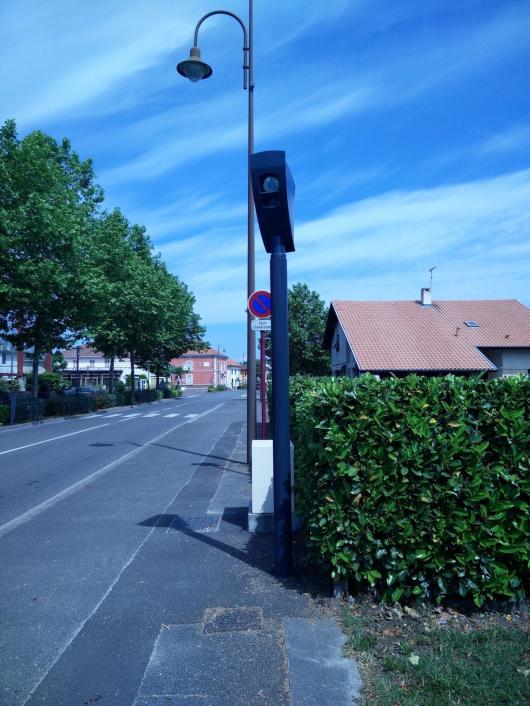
pixel 261 511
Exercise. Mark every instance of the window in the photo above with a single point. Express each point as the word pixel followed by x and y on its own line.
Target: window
pixel 206 363
pixel 471 323
pixel 92 363
pixel 188 366
pixel 337 342
pixel 189 379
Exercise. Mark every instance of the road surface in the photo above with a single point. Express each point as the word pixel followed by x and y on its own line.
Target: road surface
pixel 86 582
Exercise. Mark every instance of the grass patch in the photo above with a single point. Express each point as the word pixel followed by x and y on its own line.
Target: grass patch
pixel 431 661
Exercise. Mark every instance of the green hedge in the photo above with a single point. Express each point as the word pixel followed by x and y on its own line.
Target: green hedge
pixel 4 414
pixel 105 400
pixel 416 486
pixel 147 395
pixel 69 404
pixel 28 408
pixel 123 396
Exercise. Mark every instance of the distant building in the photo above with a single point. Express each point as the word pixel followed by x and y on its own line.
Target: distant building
pixel 94 369
pixel 433 338
pixel 16 363
pixel 202 368
pixel 234 374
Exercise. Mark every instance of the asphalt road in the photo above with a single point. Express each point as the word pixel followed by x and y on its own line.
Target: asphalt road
pixel 79 502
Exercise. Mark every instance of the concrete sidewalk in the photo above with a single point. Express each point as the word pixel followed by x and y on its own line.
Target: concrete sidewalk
pixel 107 603
pixel 240 636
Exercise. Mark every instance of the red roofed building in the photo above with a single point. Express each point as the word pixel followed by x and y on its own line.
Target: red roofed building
pixel 435 338
pixel 202 368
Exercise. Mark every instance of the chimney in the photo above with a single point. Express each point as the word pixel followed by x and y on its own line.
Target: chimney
pixel 426 297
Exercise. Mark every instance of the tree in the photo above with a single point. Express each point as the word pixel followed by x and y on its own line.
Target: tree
pixel 58 362
pixel 177 327
pixel 47 202
pixel 113 260
pixel 140 309
pixel 307 323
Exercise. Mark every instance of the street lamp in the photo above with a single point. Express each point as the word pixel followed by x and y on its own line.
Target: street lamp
pixel 78 351
pixel 195 70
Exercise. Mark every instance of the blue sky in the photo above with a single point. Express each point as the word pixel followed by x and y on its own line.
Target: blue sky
pixel 406 126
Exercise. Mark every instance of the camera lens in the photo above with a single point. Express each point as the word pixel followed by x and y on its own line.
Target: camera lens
pixel 270 184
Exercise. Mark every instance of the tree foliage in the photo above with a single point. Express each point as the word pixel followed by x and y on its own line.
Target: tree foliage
pixel 70 271
pixel 307 322
pixel 47 200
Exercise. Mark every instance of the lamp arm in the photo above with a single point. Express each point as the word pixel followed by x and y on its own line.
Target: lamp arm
pixel 246 48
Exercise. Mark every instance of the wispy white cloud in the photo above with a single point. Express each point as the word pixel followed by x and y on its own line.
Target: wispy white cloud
pixel 188 212
pixel 81 52
pixel 513 139
pixel 381 247
pixel 308 100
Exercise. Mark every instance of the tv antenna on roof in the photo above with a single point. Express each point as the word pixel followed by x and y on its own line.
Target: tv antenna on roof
pixel 430 272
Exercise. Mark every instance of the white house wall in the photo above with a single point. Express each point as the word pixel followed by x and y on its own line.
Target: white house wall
pixel 98 362
pixel 342 361
pixel 509 361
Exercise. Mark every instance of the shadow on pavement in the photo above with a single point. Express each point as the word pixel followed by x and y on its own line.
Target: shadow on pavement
pixel 257 552
pixel 194 453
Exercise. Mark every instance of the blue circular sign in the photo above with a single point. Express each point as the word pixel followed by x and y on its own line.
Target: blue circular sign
pixel 259 304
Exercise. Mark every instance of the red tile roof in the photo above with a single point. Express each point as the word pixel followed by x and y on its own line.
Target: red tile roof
pixel 403 335
pixel 208 353
pixel 84 351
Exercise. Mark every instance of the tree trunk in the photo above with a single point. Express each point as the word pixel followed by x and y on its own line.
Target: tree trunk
pixel 35 372
pixel 157 375
pixel 111 381
pixel 132 378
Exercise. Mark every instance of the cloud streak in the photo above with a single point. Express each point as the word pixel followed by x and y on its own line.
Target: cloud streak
pixel 469 230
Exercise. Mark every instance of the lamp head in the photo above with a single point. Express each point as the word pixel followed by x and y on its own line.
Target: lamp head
pixel 194 68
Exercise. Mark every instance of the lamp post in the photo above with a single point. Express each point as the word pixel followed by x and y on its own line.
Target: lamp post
pixel 195 70
pixel 78 350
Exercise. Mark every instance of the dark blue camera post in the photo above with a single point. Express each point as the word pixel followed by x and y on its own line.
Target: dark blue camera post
pixel 273 188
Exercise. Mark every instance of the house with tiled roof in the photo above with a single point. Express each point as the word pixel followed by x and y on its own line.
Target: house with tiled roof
pixel 234 374
pixel 88 367
pixel 202 368
pixel 429 337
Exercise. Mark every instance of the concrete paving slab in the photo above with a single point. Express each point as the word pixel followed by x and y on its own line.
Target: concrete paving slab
pixel 216 669
pixel 319 674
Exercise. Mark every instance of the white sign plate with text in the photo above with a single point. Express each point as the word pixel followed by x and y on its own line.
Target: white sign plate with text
pixel 261 325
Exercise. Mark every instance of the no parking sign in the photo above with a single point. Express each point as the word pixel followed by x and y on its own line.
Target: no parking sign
pixel 259 304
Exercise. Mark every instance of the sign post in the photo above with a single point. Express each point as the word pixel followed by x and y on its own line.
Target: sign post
pixel 259 305
pixel 263 387
pixel 273 189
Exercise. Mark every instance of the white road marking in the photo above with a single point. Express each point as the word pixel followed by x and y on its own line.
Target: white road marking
pixel 109 416
pixel 151 414
pixel 172 415
pixel 54 438
pixel 190 396
pixel 136 414
pixel 191 416
pixel 42 507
